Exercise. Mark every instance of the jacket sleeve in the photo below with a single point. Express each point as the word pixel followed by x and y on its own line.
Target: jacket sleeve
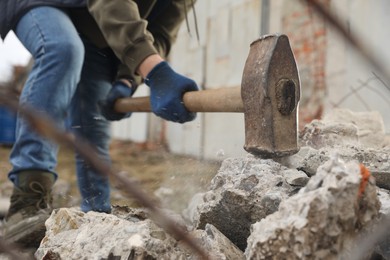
pixel 125 32
pixel 166 26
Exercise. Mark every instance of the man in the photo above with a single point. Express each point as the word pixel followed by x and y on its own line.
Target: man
pixel 73 70
pixel 141 33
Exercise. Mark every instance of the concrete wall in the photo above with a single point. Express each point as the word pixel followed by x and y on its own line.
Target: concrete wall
pixel 351 82
pixel 331 73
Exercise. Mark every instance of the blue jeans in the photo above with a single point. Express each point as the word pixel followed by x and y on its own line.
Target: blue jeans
pixel 68 78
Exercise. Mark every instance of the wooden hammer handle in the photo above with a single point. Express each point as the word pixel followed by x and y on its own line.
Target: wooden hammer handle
pixel 212 100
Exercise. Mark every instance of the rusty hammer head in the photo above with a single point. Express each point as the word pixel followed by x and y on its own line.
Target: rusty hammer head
pixel 270 91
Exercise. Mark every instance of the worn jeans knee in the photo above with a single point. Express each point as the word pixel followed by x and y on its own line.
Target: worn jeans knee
pixel 58 53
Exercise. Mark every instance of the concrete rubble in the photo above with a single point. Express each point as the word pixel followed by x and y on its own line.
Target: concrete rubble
pixel 124 234
pixel 344 127
pixel 244 191
pixel 216 244
pixel 312 205
pixel 72 234
pixel 383 249
pixel 354 136
pixel 308 160
pixel 322 221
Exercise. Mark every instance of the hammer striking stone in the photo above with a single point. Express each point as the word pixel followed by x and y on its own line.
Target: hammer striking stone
pixel 268 96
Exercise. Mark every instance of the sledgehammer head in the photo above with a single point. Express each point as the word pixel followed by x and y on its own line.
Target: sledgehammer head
pixel 270 92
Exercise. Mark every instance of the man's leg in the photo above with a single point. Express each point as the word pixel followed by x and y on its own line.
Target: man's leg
pixel 86 121
pixel 58 55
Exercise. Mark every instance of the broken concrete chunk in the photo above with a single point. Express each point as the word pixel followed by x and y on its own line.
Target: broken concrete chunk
pixel 127 233
pixel 297 178
pixel 317 134
pixel 72 234
pixel 376 160
pixel 383 247
pixel 384 198
pixel 216 244
pixel 244 191
pixel 370 125
pixel 322 220
pixel 356 136
pixel 343 127
pixel 382 178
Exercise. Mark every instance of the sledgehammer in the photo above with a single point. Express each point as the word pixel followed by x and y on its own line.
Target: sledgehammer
pixel 268 97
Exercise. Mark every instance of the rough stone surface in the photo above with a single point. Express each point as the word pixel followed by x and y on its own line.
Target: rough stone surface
pixel 257 206
pixel 72 234
pixel 244 191
pixel 356 136
pixel 377 161
pixel 383 248
pixel 125 234
pixel 318 134
pixel 297 178
pixel 216 244
pixel 322 220
pixel 370 126
pixel 344 127
pixel 384 198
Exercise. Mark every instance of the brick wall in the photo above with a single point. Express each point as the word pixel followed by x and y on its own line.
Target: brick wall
pixel 308 37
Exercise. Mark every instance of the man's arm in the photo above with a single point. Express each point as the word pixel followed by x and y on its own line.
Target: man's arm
pixel 124 30
pixel 127 35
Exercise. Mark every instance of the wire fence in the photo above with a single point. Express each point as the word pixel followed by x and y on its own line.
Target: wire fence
pixel 371 84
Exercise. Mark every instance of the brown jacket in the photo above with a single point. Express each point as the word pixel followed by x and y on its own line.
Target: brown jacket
pixel 130 36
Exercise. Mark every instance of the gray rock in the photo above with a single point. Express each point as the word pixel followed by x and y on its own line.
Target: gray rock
pixel 370 126
pixel 382 178
pixel 321 221
pixel 318 134
pixel 383 247
pixel 254 205
pixel 125 234
pixel 72 234
pixel 244 191
pixel 216 244
pixel 344 127
pixel 358 136
pixel 376 160
pixel 297 178
pixel 384 198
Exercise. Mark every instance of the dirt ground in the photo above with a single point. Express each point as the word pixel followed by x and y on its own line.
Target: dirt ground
pixel 161 174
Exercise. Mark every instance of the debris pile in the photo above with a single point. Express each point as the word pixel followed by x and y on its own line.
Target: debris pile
pixel 323 220
pixel 311 205
pixel 244 191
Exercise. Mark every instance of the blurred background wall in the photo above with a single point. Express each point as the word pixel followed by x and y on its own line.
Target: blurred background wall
pixel 332 73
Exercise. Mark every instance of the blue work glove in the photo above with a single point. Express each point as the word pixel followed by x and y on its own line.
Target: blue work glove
pixel 118 90
pixel 166 93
